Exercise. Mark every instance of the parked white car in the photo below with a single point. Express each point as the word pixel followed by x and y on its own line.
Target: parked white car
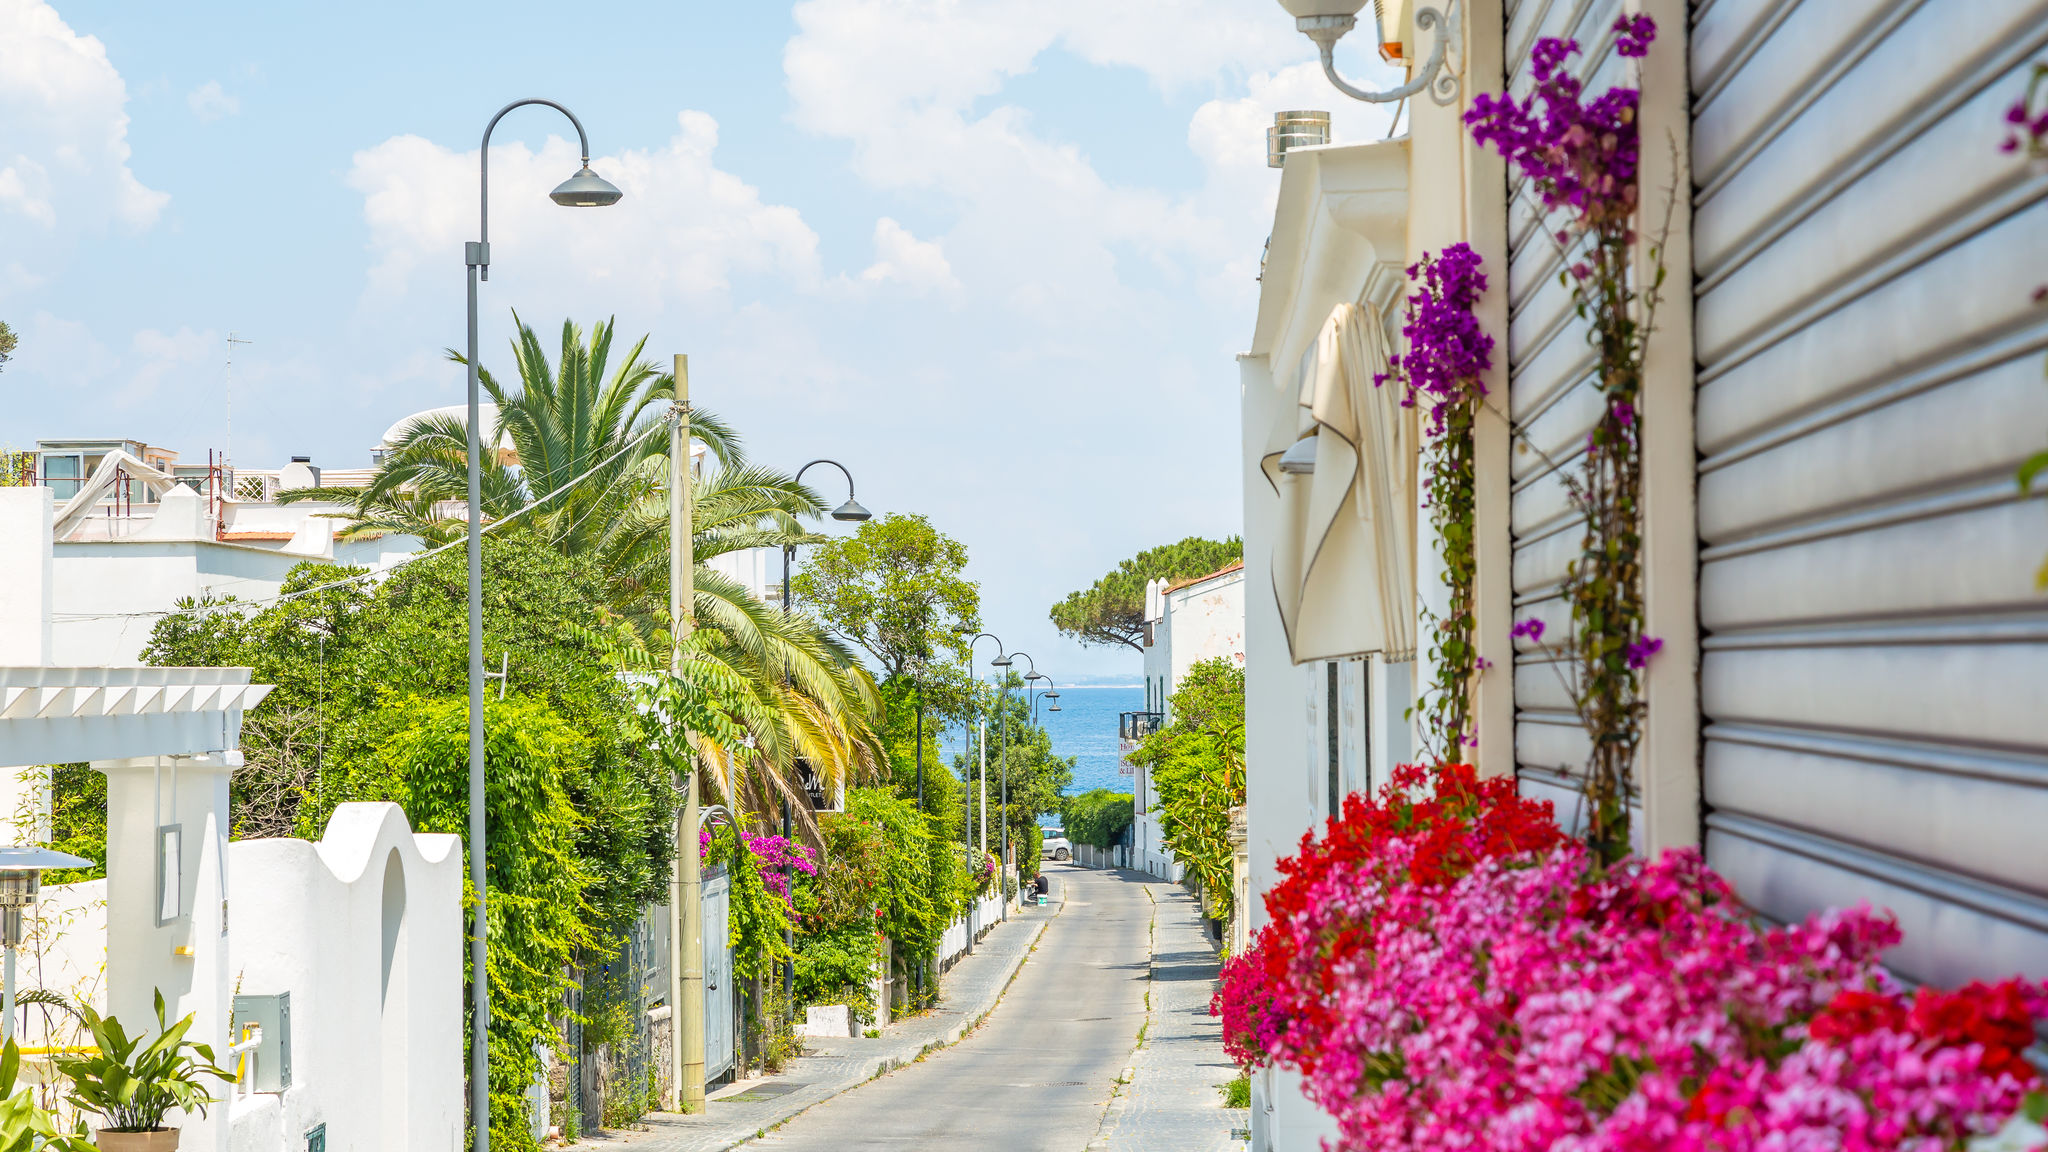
pixel 1053 845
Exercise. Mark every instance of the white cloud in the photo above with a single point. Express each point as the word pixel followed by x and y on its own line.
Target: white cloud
pixel 684 230
pixel 158 358
pixel 64 158
pixel 901 257
pixel 209 102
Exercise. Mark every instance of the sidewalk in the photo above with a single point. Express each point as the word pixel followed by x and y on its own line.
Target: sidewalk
pixel 1172 1100
pixel 831 1066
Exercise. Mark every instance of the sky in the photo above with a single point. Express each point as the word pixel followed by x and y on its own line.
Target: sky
pixel 996 257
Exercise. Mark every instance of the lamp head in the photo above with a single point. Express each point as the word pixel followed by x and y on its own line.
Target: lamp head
pixel 1050 694
pixel 586 189
pixel 1000 661
pixel 851 511
pixel 1310 8
pixel 1300 457
pixel 1036 676
pixel 1053 708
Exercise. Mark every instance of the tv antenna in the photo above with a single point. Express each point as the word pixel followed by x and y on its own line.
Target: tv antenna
pixel 228 452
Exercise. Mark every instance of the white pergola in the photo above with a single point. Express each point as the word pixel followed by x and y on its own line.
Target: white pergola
pixel 167 740
pixel 65 715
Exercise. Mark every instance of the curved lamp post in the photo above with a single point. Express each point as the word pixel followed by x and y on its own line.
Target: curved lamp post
pixel 1326 22
pixel 850 511
pixel 1047 693
pixel 968 806
pixel 584 189
pixel 1004 663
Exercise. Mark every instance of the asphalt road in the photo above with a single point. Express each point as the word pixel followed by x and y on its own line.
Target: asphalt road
pixel 1038 1072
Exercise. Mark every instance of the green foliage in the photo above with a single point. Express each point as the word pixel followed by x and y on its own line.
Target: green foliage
pixel 24 1125
pixel 540 916
pixel 1038 779
pixel 1445 702
pixel 78 821
pixel 895 588
pixel 1112 610
pixel 1238 1093
pixel 1196 765
pixel 1098 817
pixel 8 342
pixel 755 918
pixel 130 1084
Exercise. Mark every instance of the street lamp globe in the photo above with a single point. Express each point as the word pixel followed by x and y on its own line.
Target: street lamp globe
pixel 586 189
pixel 851 510
pixel 1001 661
pixel 1301 8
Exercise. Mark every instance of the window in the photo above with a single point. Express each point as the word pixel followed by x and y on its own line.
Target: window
pixel 61 474
pixel 1336 745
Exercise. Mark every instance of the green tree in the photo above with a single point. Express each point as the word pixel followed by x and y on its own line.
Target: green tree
pixel 1097 816
pixel 539 911
pixel 8 341
pixel 1112 610
pixel 895 588
pixel 1196 765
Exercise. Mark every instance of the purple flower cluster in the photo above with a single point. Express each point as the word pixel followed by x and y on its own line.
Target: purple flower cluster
pixel 1638 652
pixel 2024 119
pixel 1532 628
pixel 1582 156
pixel 772 854
pixel 1447 349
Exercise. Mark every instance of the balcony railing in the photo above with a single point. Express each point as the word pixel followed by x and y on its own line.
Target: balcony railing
pixel 1135 726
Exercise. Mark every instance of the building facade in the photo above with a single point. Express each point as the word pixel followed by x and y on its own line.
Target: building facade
pixel 1843 376
pixel 1186 622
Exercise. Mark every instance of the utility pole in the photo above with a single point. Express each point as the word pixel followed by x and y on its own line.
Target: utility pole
pixel 686 894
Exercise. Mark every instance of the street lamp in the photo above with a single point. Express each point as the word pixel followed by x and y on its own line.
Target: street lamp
pixel 968 805
pixel 1004 662
pixel 1326 22
pixel 585 189
pixel 1047 693
pixel 21 881
pixel 849 511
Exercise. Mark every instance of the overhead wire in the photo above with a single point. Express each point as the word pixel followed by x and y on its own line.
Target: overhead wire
pixel 373 573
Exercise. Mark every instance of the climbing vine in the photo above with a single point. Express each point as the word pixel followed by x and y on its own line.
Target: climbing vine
pixel 2028 118
pixel 1582 159
pixel 1447 356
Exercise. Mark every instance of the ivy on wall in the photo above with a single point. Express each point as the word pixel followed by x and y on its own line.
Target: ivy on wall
pixel 1448 354
pixel 1582 160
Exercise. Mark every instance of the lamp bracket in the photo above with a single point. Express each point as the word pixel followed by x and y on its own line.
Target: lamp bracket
pixel 1434 75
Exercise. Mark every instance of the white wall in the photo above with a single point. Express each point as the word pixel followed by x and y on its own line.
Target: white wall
pixel 26 577
pixel 364 929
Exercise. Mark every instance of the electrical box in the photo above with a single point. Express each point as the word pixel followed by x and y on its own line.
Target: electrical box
pixel 272 1063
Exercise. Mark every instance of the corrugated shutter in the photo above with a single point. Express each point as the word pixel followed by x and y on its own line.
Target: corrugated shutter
pixel 1875 670
pixel 1553 404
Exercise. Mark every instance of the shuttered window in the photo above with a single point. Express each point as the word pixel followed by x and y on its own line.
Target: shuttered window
pixel 1875 667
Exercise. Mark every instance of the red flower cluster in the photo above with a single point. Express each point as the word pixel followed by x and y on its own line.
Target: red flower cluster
pixel 1450 817
pixel 1999 1018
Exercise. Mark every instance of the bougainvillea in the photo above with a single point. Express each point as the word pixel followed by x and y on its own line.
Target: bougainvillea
pixel 1452 972
pixel 1582 160
pixel 1447 355
pixel 774 858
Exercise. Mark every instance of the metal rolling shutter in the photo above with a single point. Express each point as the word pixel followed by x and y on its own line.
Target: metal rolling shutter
pixel 1553 404
pixel 1875 667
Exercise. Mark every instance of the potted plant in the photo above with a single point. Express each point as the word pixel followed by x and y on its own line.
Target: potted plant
pixel 24 1125
pixel 132 1086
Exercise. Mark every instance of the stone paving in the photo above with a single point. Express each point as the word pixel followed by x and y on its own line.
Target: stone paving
pixel 968 991
pixel 1173 1098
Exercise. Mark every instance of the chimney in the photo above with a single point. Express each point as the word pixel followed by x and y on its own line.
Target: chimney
pixel 1292 130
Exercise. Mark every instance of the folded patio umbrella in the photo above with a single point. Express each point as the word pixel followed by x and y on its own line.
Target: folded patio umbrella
pixel 1344 560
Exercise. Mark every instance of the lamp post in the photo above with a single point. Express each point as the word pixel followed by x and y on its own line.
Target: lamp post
pixel 851 511
pixel 1326 22
pixel 1046 693
pixel 21 881
pixel 967 805
pixel 1004 663
pixel 585 189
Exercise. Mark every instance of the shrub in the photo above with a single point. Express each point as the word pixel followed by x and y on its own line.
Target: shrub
pixel 1097 817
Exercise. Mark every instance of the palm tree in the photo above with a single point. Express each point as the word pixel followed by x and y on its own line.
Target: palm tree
pixel 587 470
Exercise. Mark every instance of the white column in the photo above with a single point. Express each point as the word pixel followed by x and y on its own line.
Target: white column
pixel 186 957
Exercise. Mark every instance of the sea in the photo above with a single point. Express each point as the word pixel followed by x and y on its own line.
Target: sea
pixel 1084 728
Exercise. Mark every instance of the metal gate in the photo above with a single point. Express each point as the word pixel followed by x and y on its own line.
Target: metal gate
pixel 718 985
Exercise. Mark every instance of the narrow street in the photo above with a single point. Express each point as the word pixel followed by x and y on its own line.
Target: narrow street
pixel 1038 1073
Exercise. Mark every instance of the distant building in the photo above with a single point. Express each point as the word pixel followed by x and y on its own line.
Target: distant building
pixel 1185 622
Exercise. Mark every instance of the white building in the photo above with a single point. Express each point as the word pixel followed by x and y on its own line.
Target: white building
pixel 1185 622
pixel 1844 375
pixel 135 531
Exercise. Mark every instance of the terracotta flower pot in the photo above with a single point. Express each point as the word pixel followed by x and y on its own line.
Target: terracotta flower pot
pixel 156 1140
